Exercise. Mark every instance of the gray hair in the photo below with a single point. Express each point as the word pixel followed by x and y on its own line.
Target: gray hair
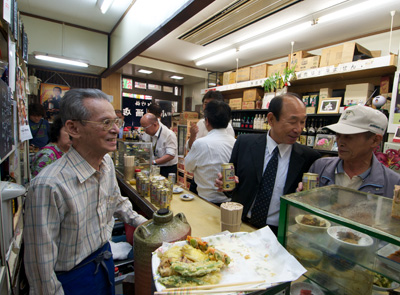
pixel 72 107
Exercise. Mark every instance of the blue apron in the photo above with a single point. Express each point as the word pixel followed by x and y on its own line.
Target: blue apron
pixel 94 275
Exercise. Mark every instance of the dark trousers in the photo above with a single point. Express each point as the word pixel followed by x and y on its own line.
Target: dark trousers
pixel 90 276
pixel 165 170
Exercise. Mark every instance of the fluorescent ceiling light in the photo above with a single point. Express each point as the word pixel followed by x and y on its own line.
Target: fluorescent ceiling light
pixel 143 71
pixel 60 59
pixel 218 56
pixel 355 9
pixel 104 5
pixel 176 77
pixel 277 35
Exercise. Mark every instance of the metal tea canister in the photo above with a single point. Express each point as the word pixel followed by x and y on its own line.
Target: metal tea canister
pixel 310 181
pixel 228 176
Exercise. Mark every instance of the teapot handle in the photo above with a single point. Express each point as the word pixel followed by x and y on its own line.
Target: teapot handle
pixel 181 217
pixel 143 232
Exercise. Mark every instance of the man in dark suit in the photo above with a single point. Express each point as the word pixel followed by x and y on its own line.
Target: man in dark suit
pixel 252 152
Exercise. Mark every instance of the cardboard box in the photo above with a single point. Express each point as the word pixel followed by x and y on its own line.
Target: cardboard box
pixel 308 63
pixel 235 103
pixel 353 51
pixel 232 78
pixel 248 105
pixel 278 68
pixel 243 74
pixel 259 72
pixel 358 93
pixel 187 116
pixel 347 52
pixel 384 85
pixel 225 79
pixel 296 57
pixel 361 87
pixel 331 56
pixel 325 92
pixel 253 94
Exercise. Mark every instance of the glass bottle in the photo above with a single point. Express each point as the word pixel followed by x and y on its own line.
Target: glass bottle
pixel 311 135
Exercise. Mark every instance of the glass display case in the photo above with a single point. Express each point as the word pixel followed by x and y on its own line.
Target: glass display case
pixel 343 237
pixel 138 155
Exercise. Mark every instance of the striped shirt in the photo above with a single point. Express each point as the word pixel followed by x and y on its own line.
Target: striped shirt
pixel 68 215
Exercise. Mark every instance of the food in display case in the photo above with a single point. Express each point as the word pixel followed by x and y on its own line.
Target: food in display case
pixel 141 152
pixel 361 236
pixel 310 222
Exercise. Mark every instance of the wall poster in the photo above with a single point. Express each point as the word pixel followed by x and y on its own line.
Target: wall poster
pixel 50 97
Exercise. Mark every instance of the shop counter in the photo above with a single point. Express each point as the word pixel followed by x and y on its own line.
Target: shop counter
pixel 204 217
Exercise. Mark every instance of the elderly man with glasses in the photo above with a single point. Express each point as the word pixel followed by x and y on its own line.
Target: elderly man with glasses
pixel 165 144
pixel 70 207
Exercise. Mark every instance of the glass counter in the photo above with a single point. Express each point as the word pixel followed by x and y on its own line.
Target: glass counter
pixel 342 236
pixel 139 153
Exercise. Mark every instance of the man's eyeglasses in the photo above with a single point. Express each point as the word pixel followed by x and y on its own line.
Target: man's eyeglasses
pixel 107 123
pixel 147 126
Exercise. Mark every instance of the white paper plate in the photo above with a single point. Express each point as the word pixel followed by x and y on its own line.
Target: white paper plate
pixel 384 252
pixel 177 190
pixel 363 242
pixel 187 197
pixel 255 256
pixel 297 287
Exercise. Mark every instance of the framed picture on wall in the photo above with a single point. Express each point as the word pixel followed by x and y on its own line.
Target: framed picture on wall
pixel 50 97
pixel 329 105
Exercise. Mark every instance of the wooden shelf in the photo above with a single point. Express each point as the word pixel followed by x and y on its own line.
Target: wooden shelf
pixel 373 67
pixel 250 130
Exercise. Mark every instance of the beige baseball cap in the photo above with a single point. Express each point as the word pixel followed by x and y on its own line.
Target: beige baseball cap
pixel 359 119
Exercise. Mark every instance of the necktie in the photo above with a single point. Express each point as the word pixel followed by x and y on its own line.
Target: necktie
pixel 259 212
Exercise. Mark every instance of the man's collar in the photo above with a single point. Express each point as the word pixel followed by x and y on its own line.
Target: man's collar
pixel 340 169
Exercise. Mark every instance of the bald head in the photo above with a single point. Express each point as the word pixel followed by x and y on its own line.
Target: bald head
pixel 149 123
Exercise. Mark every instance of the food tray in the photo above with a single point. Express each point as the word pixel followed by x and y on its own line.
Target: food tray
pixel 255 256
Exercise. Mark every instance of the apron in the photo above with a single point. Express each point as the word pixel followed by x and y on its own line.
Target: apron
pixel 94 275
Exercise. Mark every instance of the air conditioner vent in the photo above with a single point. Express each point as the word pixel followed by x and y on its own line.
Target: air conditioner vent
pixel 232 18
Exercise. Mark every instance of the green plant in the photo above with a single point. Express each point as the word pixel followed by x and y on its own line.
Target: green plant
pixel 278 81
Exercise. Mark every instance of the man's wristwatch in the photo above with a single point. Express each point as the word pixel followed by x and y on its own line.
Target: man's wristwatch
pixel 154 162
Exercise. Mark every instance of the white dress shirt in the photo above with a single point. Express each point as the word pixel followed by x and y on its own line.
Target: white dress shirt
pixel 165 144
pixel 201 124
pixel 284 156
pixel 205 159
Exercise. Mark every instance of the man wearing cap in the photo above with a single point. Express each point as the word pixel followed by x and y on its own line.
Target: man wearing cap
pixel 359 131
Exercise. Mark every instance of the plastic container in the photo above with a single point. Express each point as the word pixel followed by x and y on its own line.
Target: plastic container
pixel 164 227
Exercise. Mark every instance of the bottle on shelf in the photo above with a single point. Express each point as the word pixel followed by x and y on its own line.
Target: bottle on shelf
pixel 251 123
pixel 303 136
pixel 246 122
pixel 243 122
pixel 263 123
pixel 255 123
pixel 311 135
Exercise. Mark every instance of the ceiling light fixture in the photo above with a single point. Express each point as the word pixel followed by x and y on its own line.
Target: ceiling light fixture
pixel 104 5
pixel 215 57
pixel 143 71
pixel 176 77
pixel 280 34
pixel 61 59
pixel 355 9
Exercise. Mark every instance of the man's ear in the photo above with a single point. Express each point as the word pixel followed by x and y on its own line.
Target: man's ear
pixel 72 128
pixel 377 138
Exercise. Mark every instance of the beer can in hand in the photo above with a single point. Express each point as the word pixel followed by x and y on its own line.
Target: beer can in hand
pixel 228 176
pixel 310 181
pixel 172 177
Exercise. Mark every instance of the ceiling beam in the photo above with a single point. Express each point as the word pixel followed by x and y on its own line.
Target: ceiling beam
pixel 191 9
